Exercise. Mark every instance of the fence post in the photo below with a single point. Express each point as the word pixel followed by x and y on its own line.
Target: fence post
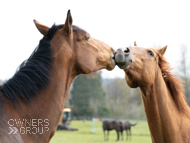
pixel 93 125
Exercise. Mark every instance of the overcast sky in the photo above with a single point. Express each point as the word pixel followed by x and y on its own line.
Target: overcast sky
pixel 118 23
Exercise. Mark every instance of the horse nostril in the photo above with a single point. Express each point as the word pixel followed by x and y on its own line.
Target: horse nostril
pixel 127 50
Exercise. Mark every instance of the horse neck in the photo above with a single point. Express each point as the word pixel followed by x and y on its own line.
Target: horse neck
pixel 56 94
pixel 50 103
pixel 164 119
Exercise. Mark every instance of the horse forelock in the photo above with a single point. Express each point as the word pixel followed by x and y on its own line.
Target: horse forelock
pixel 174 84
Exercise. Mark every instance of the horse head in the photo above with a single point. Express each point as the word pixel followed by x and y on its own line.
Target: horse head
pixel 140 64
pixel 75 48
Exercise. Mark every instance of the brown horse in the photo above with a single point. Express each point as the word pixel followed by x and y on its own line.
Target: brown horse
pixel 32 101
pixel 127 126
pixel 162 93
pixel 112 125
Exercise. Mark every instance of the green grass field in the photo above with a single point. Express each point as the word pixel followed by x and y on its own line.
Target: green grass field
pixel 140 134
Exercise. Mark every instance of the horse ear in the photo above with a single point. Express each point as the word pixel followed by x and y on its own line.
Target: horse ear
pixel 68 23
pixel 135 44
pixel 42 28
pixel 162 50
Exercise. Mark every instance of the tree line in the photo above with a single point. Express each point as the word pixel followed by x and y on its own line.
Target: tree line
pixel 91 96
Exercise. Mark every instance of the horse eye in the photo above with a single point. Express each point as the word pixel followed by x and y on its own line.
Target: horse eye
pixel 88 38
pixel 151 53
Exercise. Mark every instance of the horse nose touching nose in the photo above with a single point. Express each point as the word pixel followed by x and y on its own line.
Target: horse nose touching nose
pixel 119 56
pixel 123 58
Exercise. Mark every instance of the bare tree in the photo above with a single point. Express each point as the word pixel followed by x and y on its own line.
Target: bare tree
pixel 123 101
pixel 184 70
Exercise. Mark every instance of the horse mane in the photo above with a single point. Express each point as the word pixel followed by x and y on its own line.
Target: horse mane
pixel 33 75
pixel 174 84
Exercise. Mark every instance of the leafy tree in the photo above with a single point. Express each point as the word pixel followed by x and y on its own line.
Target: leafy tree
pixel 88 96
pixel 80 96
pixel 104 111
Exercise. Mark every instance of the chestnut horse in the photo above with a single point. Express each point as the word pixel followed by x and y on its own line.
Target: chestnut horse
pixel 162 93
pixel 32 100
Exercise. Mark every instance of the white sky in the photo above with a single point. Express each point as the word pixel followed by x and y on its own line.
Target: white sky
pixel 118 23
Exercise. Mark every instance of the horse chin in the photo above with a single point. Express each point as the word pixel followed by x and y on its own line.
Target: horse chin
pixel 111 66
pixel 124 65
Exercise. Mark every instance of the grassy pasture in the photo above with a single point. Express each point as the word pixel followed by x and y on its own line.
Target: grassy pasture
pixel 140 134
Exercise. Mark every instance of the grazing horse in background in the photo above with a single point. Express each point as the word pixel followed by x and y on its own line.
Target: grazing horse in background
pixel 112 125
pixel 32 100
pixel 127 126
pixel 167 112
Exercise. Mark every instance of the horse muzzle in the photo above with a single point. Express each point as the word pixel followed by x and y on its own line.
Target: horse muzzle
pixel 123 58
